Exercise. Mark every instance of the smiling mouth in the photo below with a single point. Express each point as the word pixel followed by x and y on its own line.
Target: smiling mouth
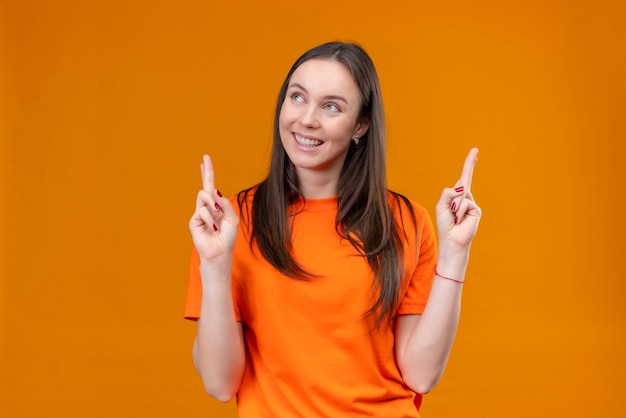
pixel 307 142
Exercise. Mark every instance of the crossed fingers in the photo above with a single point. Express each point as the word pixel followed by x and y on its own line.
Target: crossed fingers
pixel 463 186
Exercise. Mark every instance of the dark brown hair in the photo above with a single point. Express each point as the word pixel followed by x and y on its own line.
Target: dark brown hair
pixel 364 216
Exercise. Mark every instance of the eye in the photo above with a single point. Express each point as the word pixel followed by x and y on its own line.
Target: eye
pixel 332 107
pixel 297 97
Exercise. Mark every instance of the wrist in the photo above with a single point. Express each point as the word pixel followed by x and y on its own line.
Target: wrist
pixel 459 280
pixel 452 267
pixel 453 255
pixel 216 269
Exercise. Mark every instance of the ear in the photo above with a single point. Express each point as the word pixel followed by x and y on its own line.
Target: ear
pixel 362 126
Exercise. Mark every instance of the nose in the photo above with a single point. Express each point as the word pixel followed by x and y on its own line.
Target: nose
pixel 310 117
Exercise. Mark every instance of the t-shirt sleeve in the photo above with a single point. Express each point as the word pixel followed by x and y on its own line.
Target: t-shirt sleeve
pixel 194 289
pixel 421 278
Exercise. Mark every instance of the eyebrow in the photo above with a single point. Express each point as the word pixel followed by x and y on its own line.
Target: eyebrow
pixel 330 97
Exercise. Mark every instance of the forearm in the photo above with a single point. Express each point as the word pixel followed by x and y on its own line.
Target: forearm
pixel 218 350
pixel 425 353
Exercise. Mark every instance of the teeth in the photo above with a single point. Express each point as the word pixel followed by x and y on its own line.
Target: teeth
pixel 307 142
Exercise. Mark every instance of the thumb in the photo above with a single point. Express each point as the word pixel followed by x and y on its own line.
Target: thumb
pixel 226 207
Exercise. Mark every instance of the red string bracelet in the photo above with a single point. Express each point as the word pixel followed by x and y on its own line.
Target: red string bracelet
pixel 448 278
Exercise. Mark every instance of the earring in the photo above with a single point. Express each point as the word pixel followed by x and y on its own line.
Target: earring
pixel 356 139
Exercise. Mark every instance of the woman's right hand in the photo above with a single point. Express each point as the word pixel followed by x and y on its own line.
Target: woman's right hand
pixel 214 224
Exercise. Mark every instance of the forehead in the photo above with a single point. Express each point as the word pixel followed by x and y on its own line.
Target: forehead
pixel 325 77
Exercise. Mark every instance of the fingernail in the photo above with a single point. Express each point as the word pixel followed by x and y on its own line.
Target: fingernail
pixel 459 189
pixel 217 207
pixel 456 220
pixel 453 207
pixel 218 193
pixel 215 227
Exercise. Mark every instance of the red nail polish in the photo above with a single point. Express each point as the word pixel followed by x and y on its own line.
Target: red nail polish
pixel 459 189
pixel 217 207
pixel 214 227
pixel 453 207
pixel 218 193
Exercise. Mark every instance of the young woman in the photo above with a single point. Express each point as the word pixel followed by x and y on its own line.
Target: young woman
pixel 318 292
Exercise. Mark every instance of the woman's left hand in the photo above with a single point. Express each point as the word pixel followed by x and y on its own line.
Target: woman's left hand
pixel 457 212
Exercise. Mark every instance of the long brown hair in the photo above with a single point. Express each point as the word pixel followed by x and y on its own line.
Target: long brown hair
pixel 364 216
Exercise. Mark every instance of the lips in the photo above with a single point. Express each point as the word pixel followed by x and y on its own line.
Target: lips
pixel 307 142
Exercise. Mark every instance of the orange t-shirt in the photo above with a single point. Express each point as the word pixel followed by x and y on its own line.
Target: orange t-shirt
pixel 310 352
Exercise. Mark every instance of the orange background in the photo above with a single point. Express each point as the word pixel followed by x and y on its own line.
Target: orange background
pixel 106 108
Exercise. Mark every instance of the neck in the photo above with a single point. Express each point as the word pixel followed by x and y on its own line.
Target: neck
pixel 317 184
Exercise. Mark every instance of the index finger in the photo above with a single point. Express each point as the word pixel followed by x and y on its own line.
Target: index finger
pixel 208 176
pixel 468 169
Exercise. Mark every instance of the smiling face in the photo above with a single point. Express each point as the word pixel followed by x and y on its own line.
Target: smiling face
pixel 319 118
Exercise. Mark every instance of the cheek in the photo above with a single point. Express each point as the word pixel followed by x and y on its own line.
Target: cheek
pixel 343 130
pixel 285 117
pixel 284 124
